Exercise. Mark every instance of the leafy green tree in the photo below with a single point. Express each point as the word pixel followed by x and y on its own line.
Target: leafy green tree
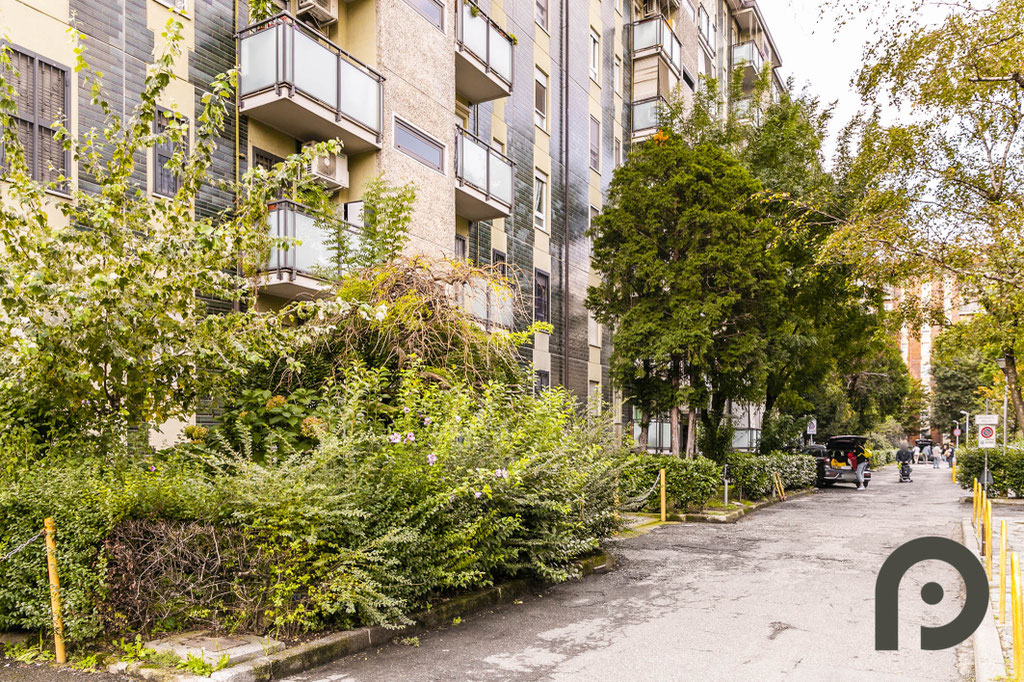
pixel 101 327
pixel 688 275
pixel 960 368
pixel 942 189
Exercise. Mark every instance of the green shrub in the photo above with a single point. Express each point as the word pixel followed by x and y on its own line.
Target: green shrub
pixel 1007 469
pixel 689 483
pixel 752 473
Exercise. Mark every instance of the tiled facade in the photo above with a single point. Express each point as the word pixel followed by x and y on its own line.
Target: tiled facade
pixel 397 80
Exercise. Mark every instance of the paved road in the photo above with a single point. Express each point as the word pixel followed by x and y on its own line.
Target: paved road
pixel 787 594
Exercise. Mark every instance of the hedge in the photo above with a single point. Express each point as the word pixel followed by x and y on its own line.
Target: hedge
pixel 1007 469
pixel 752 473
pixel 689 482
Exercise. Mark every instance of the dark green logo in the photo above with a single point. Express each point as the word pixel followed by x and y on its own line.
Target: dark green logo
pixel 887 588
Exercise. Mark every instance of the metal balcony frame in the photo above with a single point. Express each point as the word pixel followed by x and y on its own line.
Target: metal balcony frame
pixel 460 159
pixel 288 80
pixel 485 60
pixel 659 47
pixel 285 229
pixel 632 107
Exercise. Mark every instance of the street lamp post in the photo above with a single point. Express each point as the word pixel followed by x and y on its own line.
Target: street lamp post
pixel 956 433
pixel 967 432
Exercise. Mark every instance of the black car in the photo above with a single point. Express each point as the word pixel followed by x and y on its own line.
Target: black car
pixel 833 460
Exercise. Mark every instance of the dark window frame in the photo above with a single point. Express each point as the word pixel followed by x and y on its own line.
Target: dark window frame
pixel 542 380
pixel 36 121
pixel 463 243
pixel 417 5
pixel 500 259
pixel 541 296
pixel 409 128
pixel 165 183
pixel 595 144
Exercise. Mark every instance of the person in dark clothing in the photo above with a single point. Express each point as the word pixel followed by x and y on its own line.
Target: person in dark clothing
pixel 904 456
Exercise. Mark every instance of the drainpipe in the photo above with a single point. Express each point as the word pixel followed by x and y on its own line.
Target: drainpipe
pixel 565 189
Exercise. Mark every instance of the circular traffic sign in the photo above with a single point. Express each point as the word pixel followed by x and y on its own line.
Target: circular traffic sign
pixel 956 432
pixel 987 432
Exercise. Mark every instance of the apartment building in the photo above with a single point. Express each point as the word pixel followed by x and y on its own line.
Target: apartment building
pixel 509 116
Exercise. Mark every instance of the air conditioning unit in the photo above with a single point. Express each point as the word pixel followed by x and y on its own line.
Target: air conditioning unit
pixel 322 12
pixel 330 170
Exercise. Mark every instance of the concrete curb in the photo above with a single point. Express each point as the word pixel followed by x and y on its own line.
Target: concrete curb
pixel 997 501
pixel 302 657
pixel 989 663
pixel 732 516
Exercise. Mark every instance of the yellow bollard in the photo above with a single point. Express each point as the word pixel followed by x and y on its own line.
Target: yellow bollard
pixel 51 567
pixel 974 500
pixel 664 516
pixel 988 538
pixel 1002 572
pixel 1017 617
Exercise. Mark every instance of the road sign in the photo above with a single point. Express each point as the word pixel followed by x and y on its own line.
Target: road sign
pixel 957 432
pixel 989 419
pixel 986 436
pixel 812 427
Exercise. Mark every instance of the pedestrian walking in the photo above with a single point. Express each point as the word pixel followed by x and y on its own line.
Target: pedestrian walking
pixel 951 455
pixel 937 458
pixel 917 454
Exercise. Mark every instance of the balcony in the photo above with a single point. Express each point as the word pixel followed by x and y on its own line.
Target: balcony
pixel 484 175
pixel 747 56
pixel 483 56
pixel 655 37
pixel 295 80
pixel 296 269
pixel 645 117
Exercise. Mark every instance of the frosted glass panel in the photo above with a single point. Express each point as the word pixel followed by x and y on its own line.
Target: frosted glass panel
pixel 645 115
pixel 259 59
pixel 501 179
pixel 360 96
pixel 313 251
pixel 501 55
pixel 316 70
pixel 474 163
pixel 474 32
pixel 645 35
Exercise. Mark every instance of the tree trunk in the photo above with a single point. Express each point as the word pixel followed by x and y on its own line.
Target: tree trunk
pixel 691 433
pixel 1013 386
pixel 645 425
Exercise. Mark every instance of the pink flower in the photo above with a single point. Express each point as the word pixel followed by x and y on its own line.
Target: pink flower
pixel 431 459
pixel 406 409
pixel 410 437
pixel 395 438
pixel 501 473
pixel 427 421
pixel 478 494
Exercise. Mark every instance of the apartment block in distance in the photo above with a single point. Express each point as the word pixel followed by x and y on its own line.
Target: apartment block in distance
pixel 509 116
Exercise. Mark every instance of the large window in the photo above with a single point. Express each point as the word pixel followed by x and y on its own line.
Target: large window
pixel 595 144
pixel 541 13
pixel 617 75
pixel 42 96
pixel 540 201
pixel 540 99
pixel 419 146
pixel 432 11
pixel 595 54
pixel 165 182
pixel 541 296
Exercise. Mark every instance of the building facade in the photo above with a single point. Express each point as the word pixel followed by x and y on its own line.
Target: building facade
pixel 509 116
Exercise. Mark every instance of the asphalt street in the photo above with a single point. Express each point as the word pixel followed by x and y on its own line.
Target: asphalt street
pixel 785 594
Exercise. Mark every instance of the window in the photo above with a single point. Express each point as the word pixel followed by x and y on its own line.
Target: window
pixel 541 296
pixel 617 75
pixel 593 330
pixel 461 247
pixel 267 161
pixel 500 263
pixel 180 6
pixel 432 11
pixel 419 146
pixel 704 24
pixel 541 14
pixel 617 150
pixel 540 99
pixel 42 96
pixel 165 182
pixel 594 397
pixel 540 201
pixel 689 10
pixel 595 144
pixel 595 54
pixel 542 381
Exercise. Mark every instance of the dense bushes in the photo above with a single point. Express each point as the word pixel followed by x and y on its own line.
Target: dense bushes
pixel 405 498
pixel 1007 469
pixel 689 483
pixel 752 474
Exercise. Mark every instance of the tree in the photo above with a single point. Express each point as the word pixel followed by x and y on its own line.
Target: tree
pixel 688 274
pixel 942 190
pixel 960 368
pixel 104 321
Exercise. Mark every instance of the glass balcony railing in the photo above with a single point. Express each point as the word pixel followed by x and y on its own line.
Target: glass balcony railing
pixel 656 33
pixel 282 53
pixel 645 114
pixel 482 167
pixel 306 247
pixel 748 53
pixel 485 40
